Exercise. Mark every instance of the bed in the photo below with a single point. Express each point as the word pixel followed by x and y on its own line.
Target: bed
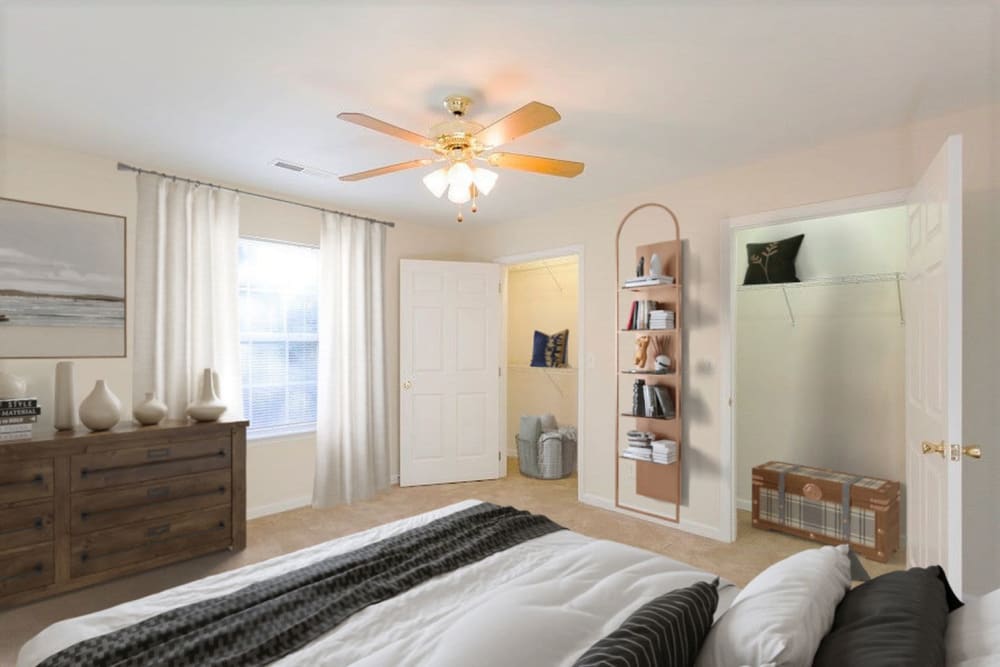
pixel 544 601
pixel 478 584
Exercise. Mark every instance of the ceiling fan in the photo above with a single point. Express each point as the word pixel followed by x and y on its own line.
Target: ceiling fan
pixel 461 143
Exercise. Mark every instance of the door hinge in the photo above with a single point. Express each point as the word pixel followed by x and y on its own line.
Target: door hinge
pixel 499 372
pixel 956 452
pixel 500 288
pixel 499 456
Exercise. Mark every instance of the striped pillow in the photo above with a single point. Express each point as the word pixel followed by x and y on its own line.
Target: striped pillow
pixel 667 630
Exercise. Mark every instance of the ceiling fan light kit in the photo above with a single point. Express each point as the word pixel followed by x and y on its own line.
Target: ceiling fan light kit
pixel 461 143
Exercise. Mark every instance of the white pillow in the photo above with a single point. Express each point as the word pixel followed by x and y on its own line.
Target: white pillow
pixel 783 613
pixel 974 632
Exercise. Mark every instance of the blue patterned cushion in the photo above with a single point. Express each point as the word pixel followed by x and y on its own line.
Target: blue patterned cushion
pixel 555 350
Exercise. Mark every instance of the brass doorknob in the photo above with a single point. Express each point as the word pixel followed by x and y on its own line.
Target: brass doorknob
pixel 936 447
pixel 973 452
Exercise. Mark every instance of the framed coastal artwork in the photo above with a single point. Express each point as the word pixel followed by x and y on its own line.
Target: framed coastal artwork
pixel 62 282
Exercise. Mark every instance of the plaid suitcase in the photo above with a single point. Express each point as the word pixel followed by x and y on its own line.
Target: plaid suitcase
pixel 828 506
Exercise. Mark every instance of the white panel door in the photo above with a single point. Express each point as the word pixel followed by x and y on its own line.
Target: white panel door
pixel 449 361
pixel 934 366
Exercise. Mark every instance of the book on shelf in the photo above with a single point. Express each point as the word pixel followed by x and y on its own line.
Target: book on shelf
pixel 6 413
pixel 30 419
pixel 7 437
pixel 649 281
pixel 6 403
pixel 639 314
pixel 16 428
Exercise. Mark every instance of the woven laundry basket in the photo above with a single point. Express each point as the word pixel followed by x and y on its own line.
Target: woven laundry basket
pixel 552 456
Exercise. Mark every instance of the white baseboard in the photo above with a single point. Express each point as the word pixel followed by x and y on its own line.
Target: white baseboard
pixel 744 504
pixel 688 526
pixel 280 506
pixel 394 480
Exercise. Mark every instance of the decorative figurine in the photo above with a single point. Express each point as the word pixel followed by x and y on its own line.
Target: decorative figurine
pixel 640 269
pixel 641 343
pixel 661 362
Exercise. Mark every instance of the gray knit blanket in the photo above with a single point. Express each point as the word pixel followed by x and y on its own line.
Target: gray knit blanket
pixel 270 619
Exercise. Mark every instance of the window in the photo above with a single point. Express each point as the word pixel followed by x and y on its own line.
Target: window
pixel 278 335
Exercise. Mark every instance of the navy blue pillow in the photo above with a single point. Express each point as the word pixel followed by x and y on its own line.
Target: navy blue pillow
pixel 538 349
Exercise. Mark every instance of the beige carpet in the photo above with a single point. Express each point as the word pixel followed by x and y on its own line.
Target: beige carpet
pixel 281 533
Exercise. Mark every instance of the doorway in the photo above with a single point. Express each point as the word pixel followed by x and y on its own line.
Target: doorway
pixel 815 370
pixel 543 368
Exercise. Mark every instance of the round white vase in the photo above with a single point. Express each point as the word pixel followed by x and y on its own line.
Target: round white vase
pixel 655 266
pixel 64 412
pixel 101 409
pixel 12 386
pixel 208 407
pixel 151 411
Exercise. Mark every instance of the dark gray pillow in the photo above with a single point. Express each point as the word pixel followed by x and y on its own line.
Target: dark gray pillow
pixel 773 262
pixel 666 631
pixel 898 618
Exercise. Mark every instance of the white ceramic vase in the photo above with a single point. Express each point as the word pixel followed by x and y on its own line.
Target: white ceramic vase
pixel 101 410
pixel 64 412
pixel 655 266
pixel 12 386
pixel 151 411
pixel 208 407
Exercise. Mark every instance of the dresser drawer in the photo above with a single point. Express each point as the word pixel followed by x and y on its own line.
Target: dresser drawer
pixel 106 549
pixel 24 569
pixel 158 460
pixel 97 510
pixel 25 480
pixel 26 524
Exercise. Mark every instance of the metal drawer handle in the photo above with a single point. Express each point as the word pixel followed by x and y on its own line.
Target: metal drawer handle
pixel 37 479
pixel 39 523
pixel 158 530
pixel 160 453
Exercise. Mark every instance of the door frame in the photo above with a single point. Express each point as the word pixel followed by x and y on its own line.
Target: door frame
pixel 581 432
pixel 727 309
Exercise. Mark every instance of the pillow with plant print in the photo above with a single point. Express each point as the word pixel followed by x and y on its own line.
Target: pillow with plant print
pixel 772 262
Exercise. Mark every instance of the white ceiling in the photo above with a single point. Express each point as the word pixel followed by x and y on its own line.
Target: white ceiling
pixel 649 92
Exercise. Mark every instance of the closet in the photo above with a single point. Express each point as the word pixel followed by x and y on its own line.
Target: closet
pixel 542 296
pixel 819 367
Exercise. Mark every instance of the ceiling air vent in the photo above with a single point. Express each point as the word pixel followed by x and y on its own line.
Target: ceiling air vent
pixel 300 169
pixel 281 164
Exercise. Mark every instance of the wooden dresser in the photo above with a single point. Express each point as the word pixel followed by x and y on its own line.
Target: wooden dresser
pixel 78 508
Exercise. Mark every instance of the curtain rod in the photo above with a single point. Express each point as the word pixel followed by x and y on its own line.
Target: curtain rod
pixel 127 167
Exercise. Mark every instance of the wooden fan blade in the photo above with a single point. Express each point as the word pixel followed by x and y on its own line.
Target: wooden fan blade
pixel 364 120
pixel 532 116
pixel 361 175
pixel 539 165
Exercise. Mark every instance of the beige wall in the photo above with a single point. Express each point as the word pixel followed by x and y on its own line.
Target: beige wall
pixel 279 470
pixel 874 162
pixel 541 295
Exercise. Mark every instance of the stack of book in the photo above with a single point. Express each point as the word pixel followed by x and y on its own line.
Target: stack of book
pixel 639 446
pixel 638 317
pixel 17 418
pixel 664 451
pixel 649 281
pixel 661 319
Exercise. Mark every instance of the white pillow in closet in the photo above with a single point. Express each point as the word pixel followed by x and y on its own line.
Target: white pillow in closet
pixel 783 613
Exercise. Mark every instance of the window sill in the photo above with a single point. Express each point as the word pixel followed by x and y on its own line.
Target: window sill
pixel 269 436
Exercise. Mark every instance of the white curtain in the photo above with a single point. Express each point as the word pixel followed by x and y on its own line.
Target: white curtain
pixel 186 298
pixel 352 444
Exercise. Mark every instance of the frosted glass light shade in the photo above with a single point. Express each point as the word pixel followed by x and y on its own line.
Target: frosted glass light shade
pixel 460 176
pixel 437 181
pixel 459 195
pixel 484 179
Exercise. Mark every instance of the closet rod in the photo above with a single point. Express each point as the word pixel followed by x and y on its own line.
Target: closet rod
pixel 127 167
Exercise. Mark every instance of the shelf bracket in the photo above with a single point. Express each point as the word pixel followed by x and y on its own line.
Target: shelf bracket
pixel 553 276
pixel 788 305
pixel 899 298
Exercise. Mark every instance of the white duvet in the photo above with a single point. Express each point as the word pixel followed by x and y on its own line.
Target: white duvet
pixel 543 602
